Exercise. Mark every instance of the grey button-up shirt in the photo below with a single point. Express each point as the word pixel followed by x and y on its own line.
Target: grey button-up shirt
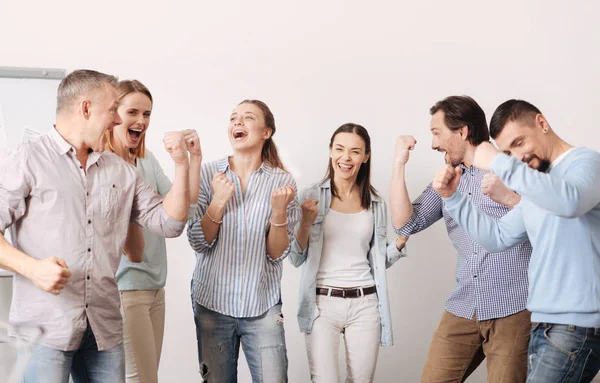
pixel 54 208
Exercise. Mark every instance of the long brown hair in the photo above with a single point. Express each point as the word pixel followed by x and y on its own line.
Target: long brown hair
pixel 125 88
pixel 269 152
pixel 363 179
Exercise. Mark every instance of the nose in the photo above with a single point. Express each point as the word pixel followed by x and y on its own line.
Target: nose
pixel 117 120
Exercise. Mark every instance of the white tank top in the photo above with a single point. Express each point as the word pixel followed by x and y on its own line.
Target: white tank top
pixel 346 244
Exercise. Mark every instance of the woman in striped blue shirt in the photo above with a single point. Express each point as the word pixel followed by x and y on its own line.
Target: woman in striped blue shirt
pixel 243 229
pixel 342 242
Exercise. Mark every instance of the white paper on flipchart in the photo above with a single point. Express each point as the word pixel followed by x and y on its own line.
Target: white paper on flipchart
pixel 29 133
pixel 3 143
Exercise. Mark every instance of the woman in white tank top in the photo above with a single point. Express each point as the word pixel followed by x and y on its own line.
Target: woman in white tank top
pixel 342 243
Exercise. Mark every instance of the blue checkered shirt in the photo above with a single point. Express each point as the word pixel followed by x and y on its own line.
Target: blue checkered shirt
pixel 489 285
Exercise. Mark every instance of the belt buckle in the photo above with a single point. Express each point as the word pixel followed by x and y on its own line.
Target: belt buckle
pixel 344 293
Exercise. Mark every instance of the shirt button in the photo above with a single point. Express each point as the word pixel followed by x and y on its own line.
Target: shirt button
pixel 88 277
pixel 80 167
pixel 89 249
pixel 86 305
pixel 87 193
pixel 89 221
pixel 474 276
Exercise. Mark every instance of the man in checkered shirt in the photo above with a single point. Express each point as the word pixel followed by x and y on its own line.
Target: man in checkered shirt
pixel 485 316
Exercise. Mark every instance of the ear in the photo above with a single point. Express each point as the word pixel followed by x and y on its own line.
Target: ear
pixel 85 108
pixel 464 132
pixel 541 122
pixel 367 158
pixel 267 133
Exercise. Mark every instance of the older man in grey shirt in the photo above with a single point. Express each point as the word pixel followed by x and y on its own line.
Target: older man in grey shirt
pixel 68 205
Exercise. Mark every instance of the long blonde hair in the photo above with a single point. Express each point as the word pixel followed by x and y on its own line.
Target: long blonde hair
pixel 125 88
pixel 269 152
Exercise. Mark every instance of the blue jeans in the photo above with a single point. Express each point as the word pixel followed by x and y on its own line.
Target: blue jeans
pixel 262 339
pixel 86 364
pixel 563 354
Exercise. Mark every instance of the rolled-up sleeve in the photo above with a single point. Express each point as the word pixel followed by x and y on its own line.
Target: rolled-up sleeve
pixel 427 210
pixel 297 255
pixel 148 212
pixel 195 233
pixel 14 187
pixel 392 254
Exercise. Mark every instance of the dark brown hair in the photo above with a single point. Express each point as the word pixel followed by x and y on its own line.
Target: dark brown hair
pixel 269 152
pixel 363 179
pixel 462 111
pixel 511 110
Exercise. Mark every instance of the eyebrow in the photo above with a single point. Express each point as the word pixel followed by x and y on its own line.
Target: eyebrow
pixel 514 142
pixel 356 148
pixel 247 112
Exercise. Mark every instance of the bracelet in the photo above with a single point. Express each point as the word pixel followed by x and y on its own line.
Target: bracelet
pixel 279 224
pixel 212 219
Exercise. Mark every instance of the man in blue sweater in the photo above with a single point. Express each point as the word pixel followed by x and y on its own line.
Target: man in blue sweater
pixel 560 214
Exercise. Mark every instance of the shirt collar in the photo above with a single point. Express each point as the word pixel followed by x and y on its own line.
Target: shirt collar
pixel 471 169
pixel 62 146
pixel 223 166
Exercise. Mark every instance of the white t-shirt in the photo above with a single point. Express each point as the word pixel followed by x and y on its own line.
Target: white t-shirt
pixel 346 244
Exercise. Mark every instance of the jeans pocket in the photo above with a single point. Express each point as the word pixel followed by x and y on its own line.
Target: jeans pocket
pixel 565 339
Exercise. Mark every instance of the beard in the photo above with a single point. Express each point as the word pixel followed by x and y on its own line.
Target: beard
pixel 543 164
pixel 452 159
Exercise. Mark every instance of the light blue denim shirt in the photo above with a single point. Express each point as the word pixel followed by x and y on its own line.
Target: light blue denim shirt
pixel 381 256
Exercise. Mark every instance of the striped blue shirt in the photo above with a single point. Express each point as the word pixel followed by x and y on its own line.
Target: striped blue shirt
pixel 234 275
pixel 491 285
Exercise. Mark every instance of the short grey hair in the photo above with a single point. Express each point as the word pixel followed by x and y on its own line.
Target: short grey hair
pixel 80 82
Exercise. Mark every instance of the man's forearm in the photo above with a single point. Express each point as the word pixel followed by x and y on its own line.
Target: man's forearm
pixel 177 201
pixel 13 259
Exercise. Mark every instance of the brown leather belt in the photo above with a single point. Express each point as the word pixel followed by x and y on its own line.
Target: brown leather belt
pixel 346 293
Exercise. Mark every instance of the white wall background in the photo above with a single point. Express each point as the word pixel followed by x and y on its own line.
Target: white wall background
pixel 319 64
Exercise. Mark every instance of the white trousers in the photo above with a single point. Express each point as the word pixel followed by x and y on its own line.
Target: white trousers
pixel 358 320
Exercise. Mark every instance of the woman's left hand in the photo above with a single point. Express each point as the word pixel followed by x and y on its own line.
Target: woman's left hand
pixel 281 198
